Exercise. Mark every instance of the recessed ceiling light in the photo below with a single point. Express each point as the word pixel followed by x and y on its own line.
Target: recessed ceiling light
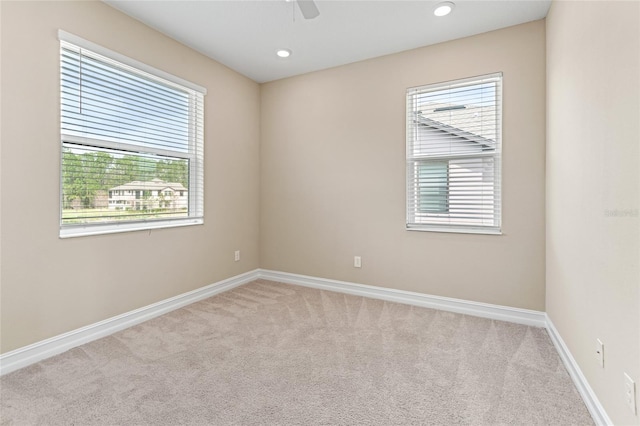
pixel 443 9
pixel 283 53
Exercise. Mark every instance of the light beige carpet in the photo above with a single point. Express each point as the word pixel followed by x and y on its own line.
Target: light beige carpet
pixel 269 353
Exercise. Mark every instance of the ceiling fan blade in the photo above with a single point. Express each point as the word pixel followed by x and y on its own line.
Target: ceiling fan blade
pixel 308 8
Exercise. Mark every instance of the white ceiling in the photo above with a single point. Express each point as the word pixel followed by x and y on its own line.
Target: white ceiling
pixel 244 34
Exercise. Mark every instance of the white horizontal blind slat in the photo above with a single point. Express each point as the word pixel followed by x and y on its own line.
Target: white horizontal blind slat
pixel 79 42
pixel 196 137
pixel 115 113
pixel 454 155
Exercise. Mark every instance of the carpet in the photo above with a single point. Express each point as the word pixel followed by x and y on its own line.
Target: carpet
pixel 268 353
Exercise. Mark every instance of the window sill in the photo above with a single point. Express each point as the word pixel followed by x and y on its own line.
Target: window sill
pixel 72 231
pixel 455 230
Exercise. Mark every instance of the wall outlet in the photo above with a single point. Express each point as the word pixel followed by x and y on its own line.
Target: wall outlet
pixel 600 353
pixel 236 255
pixel 357 262
pixel 630 393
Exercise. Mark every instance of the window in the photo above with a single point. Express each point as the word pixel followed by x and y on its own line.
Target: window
pixel 454 142
pixel 127 131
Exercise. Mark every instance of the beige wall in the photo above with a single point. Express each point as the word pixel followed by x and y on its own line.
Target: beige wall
pixel 593 185
pixel 49 285
pixel 333 174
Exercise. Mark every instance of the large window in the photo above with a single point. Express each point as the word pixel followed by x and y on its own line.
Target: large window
pixel 453 156
pixel 131 144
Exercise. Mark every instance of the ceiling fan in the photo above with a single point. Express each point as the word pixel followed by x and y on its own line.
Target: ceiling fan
pixel 308 8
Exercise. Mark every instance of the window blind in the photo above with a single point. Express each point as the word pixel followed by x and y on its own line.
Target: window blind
pixel 132 144
pixel 453 148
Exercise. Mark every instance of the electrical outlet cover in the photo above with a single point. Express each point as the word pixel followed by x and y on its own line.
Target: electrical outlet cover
pixel 630 393
pixel 600 353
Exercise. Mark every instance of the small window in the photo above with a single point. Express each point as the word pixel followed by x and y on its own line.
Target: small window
pixel 125 129
pixel 453 147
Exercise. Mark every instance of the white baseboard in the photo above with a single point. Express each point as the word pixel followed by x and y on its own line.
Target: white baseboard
pixel 589 397
pixel 27 355
pixel 478 309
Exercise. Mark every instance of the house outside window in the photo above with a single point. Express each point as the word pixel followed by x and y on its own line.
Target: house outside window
pixel 433 186
pixel 454 132
pixel 128 131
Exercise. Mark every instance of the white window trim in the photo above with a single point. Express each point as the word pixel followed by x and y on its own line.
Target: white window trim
pixel 196 163
pixel 130 226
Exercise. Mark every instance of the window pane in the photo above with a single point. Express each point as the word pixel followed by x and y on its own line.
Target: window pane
pixel 433 181
pixel 456 120
pixel 103 101
pixel 472 191
pixel 104 186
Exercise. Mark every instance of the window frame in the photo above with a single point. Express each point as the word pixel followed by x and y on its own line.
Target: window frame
pixel 413 162
pixel 194 154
